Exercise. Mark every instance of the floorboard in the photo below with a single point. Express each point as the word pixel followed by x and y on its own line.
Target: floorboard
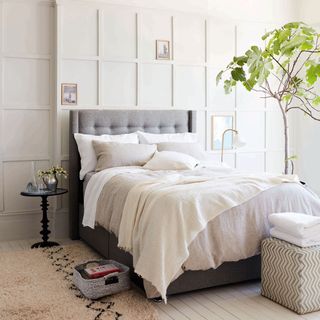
pixel 234 302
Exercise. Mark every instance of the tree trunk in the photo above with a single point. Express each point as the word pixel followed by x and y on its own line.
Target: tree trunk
pixel 286 138
pixel 286 145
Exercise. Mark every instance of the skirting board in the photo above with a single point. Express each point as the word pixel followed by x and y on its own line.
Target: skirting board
pixel 27 226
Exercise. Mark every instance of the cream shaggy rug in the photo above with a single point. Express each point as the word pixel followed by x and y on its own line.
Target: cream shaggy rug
pixel 37 285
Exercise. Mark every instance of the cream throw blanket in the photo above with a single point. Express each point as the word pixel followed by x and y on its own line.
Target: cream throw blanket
pixel 163 216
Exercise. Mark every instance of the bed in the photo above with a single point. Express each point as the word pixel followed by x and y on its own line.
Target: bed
pixel 99 122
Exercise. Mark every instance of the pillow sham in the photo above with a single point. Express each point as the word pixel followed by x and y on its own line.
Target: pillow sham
pixel 191 148
pixel 145 137
pixel 171 160
pixel 87 153
pixel 111 154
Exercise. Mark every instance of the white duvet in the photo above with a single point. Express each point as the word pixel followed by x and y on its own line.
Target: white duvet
pixel 162 216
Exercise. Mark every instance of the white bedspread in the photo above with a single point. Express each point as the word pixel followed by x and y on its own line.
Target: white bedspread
pixel 162 216
pixel 94 188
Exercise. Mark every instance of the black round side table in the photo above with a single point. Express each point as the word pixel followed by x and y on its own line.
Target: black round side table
pixel 44 194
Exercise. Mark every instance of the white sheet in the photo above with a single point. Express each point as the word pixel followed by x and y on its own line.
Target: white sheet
pixel 94 188
pixel 161 218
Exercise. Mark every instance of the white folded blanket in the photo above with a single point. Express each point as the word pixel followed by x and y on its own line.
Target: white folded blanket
pixel 295 240
pixel 298 225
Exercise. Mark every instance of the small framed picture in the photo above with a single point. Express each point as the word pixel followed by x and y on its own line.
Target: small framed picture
pixel 220 123
pixel 162 50
pixel 69 94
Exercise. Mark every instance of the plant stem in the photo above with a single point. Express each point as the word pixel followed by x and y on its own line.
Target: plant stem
pixel 286 136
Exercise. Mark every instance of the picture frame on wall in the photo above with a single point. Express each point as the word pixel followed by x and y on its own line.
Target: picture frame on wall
pixel 69 94
pixel 162 49
pixel 220 123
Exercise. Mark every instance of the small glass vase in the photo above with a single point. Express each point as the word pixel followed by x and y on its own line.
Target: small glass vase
pixel 51 182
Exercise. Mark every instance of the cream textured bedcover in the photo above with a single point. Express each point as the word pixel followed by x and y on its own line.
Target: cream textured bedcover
pixel 230 232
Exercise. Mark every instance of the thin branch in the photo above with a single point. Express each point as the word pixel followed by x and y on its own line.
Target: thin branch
pixel 305 112
pixel 278 63
pixel 309 56
pixel 275 75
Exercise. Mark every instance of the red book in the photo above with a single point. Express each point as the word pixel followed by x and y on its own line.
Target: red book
pixel 101 271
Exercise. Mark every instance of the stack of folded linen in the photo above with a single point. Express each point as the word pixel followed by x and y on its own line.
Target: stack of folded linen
pixel 300 229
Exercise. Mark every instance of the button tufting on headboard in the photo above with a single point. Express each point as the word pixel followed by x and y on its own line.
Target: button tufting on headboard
pixel 99 122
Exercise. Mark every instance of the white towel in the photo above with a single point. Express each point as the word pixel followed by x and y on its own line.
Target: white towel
pixel 294 240
pixel 299 225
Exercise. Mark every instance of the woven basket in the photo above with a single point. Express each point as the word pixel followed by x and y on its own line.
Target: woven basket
pixel 100 287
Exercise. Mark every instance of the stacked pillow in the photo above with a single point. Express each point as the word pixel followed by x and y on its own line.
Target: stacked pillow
pixel 110 154
pixel 87 154
pixel 173 151
pixel 145 137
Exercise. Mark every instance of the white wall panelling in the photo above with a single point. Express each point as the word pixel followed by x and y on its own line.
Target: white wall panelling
pixel 119 33
pixel 1 187
pixel 217 99
pixel 27 28
pixel 189 38
pixel 130 77
pixel 153 25
pixel 190 86
pixel 156 84
pixel 26 101
pixel 26 133
pixel 254 161
pixel 80 31
pixel 221 43
pixel 85 74
pixel 251 126
pixel 119 84
pixel 109 51
pixel 32 87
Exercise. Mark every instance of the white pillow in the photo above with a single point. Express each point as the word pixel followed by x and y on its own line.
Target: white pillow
pixel 86 151
pixel 171 160
pixel 112 154
pixel 145 137
pixel 193 149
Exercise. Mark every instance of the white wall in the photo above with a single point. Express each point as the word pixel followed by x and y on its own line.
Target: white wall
pixel 308 130
pixel 26 109
pixel 108 48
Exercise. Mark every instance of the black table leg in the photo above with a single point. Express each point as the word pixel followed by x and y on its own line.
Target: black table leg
pixel 45 231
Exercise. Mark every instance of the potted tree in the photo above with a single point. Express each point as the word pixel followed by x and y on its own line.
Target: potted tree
pixel 292 58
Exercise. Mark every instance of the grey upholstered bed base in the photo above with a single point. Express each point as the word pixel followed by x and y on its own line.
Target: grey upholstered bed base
pixel 99 122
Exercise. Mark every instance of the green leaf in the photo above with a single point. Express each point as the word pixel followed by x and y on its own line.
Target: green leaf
pixel 287 97
pixel 249 84
pixel 284 34
pixel 294 157
pixel 240 61
pixel 295 42
pixel 312 74
pixel 292 25
pixel 282 51
pixel 266 35
pixel 238 74
pixel 219 76
pixel 227 86
pixel 316 101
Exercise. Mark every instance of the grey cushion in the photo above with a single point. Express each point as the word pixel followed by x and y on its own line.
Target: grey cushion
pixel 118 122
pixel 111 154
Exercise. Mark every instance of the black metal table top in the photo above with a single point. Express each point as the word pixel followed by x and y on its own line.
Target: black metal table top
pixel 44 192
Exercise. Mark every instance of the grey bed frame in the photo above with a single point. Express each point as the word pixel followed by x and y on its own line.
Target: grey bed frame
pixel 99 122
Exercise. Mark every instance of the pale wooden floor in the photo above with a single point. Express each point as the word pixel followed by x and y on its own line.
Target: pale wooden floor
pixel 233 302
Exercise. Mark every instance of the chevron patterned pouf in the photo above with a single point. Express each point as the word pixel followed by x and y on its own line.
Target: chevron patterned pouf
pixel 290 275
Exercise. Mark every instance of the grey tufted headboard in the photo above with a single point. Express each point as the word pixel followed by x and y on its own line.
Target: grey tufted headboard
pixel 99 122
